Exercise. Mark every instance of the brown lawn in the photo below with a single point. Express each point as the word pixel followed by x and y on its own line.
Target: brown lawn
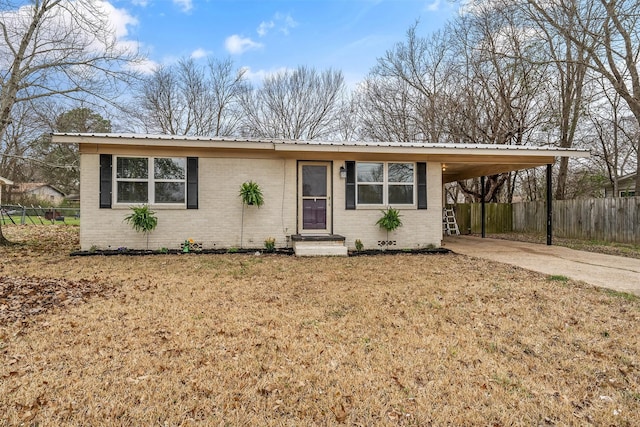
pixel 275 340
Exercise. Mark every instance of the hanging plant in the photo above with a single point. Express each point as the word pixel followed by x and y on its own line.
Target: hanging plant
pixel 142 219
pixel 390 219
pixel 251 194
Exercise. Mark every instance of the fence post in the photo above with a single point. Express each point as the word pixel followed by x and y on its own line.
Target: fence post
pixel 482 209
pixel 23 219
pixel 549 207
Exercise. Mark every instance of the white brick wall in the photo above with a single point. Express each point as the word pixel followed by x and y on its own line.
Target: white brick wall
pixel 218 221
pixel 419 227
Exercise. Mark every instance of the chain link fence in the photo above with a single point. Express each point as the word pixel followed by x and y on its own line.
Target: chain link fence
pixel 38 215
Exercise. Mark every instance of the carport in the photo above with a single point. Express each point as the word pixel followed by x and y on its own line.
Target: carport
pixel 474 164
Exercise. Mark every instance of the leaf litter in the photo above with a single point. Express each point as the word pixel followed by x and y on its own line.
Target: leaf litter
pixel 24 297
pixel 242 340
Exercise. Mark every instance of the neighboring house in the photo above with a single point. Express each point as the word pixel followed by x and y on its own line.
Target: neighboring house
pixel 626 187
pixel 38 191
pixel 3 182
pixel 313 190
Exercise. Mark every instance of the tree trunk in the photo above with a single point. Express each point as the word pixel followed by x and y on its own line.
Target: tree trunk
pixel 3 240
pixel 561 183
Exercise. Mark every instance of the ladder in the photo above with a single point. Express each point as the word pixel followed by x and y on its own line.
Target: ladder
pixel 449 223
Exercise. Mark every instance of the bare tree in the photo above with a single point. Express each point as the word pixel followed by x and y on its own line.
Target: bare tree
pixel 609 33
pixel 613 132
pixel 53 48
pixel 496 96
pixel 570 62
pixel 59 164
pixel 16 146
pixel 409 84
pixel 388 110
pixel 347 120
pixel 189 99
pixel 298 104
pixel 163 109
pixel 227 87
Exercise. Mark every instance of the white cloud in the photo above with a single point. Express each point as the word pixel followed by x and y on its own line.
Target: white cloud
pixel 146 66
pixel 237 45
pixel 434 6
pixel 257 77
pixel 184 5
pixel 264 28
pixel 199 53
pixel 281 22
pixel 142 3
pixel 287 22
pixel 119 19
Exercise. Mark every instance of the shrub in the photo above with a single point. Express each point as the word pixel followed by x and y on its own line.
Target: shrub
pixel 142 219
pixel 270 244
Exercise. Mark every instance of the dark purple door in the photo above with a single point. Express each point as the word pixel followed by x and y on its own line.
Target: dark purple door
pixel 314 197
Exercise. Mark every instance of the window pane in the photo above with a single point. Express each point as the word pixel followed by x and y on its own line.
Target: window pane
pixel 132 167
pixel 314 181
pixel 169 192
pixel 133 192
pixel 370 172
pixel 169 168
pixel 370 194
pixel 400 194
pixel 400 172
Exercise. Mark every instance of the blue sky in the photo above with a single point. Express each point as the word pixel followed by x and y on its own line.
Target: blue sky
pixel 268 36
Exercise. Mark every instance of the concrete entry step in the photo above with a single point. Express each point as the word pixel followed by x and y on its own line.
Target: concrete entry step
pixel 319 245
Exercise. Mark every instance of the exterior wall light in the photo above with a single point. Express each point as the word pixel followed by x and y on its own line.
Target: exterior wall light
pixel 343 172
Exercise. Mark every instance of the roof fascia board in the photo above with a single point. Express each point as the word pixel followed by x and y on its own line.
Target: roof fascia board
pixel 161 142
pixel 436 152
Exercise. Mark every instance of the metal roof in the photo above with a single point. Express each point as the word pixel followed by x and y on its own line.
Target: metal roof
pixel 459 161
pixel 317 143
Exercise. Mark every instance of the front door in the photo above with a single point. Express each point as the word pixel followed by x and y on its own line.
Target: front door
pixel 314 197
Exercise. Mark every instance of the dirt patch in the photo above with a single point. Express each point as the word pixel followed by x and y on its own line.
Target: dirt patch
pixel 24 297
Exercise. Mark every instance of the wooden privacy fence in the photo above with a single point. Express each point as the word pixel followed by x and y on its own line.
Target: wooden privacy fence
pixel 498 217
pixel 612 219
pixel 607 220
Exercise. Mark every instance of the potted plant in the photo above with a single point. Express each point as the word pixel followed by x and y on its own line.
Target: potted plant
pixel 142 219
pixel 251 194
pixel 389 221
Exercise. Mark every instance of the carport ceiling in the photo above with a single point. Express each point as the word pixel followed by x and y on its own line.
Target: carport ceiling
pixel 456 169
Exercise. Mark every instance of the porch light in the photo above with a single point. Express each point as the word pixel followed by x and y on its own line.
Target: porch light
pixel 343 172
pixel 444 167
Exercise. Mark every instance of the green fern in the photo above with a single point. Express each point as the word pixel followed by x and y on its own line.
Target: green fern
pixel 390 219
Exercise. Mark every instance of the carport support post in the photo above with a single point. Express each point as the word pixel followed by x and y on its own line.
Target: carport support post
pixel 482 208
pixel 549 207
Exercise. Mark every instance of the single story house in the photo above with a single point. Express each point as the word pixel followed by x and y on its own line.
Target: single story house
pixel 37 191
pixel 626 187
pixel 3 182
pixel 313 190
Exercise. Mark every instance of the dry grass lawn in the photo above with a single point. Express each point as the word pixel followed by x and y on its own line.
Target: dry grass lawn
pixel 274 340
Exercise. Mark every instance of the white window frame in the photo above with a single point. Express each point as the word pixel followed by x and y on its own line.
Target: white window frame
pixel 150 180
pixel 627 193
pixel 385 186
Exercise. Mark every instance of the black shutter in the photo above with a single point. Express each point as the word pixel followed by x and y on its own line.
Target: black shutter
pixel 192 183
pixel 422 185
pixel 350 185
pixel 106 180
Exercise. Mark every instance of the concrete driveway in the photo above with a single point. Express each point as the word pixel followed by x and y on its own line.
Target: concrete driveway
pixel 609 271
